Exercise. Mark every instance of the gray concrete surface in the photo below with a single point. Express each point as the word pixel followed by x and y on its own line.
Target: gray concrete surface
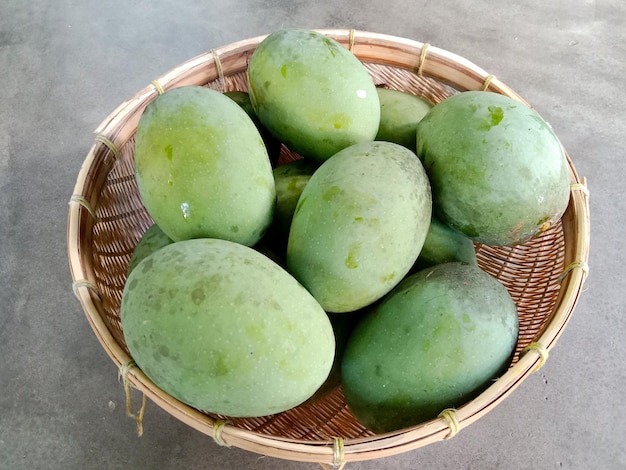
pixel 65 64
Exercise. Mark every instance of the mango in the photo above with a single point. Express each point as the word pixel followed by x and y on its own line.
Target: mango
pixel 289 180
pixel 202 168
pixel 399 114
pixel 272 145
pixel 151 240
pixel 435 342
pixel 498 172
pixel 343 324
pixel 312 93
pixel 359 225
pixel 222 328
pixel 443 244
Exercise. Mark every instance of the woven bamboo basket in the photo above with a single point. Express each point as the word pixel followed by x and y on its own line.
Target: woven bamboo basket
pixel 107 218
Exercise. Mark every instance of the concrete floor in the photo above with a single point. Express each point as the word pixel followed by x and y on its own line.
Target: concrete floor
pixel 65 64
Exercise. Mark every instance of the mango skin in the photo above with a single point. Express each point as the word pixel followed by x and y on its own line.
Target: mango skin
pixel 359 225
pixel 272 145
pixel 343 324
pixel 290 180
pixel 400 112
pixel 498 172
pixel 235 335
pixel 443 244
pixel 312 93
pixel 436 341
pixel 152 239
pixel 202 168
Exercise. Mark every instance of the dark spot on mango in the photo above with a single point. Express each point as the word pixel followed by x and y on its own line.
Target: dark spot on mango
pixel 219 366
pixel 353 254
pixel 331 193
pixel 147 265
pixel 198 295
pixel 164 351
pixel 470 231
pixel 283 71
pixel 496 114
pixel 169 152
pixel 543 220
pixel 495 117
pixel 293 185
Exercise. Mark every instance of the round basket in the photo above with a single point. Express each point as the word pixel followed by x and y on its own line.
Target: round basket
pixel 107 218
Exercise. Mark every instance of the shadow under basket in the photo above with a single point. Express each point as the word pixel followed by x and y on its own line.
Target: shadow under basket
pixel 107 218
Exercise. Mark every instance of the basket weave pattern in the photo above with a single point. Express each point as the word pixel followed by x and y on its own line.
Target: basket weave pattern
pixel 541 275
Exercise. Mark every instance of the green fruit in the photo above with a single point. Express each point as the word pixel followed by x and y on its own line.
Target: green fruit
pixel 399 114
pixel 443 244
pixel 497 170
pixel 359 225
pixel 312 93
pixel 343 324
pixel 271 144
pixel 151 240
pixel 435 342
pixel 202 168
pixel 222 328
pixel 289 179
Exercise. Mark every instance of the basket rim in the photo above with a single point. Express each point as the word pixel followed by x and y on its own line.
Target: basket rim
pixel 119 126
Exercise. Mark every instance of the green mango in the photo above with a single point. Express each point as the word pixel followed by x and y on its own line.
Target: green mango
pixel 343 324
pixel 202 168
pixel 399 114
pixel 222 328
pixel 443 244
pixel 498 172
pixel 272 145
pixel 359 225
pixel 435 342
pixel 312 93
pixel 152 239
pixel 290 180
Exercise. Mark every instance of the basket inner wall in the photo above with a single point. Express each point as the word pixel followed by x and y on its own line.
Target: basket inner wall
pixel 530 271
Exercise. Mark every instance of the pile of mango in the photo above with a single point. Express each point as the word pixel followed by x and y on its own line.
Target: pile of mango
pixel 263 286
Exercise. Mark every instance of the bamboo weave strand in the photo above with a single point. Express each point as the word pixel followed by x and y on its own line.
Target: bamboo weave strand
pixel 420 65
pixel 220 69
pixel 158 87
pixel 138 417
pixel 338 455
pixel 578 264
pixel 449 414
pixel 85 283
pixel 103 139
pixel 487 82
pixel 541 350
pixel 81 200
pixel 218 427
